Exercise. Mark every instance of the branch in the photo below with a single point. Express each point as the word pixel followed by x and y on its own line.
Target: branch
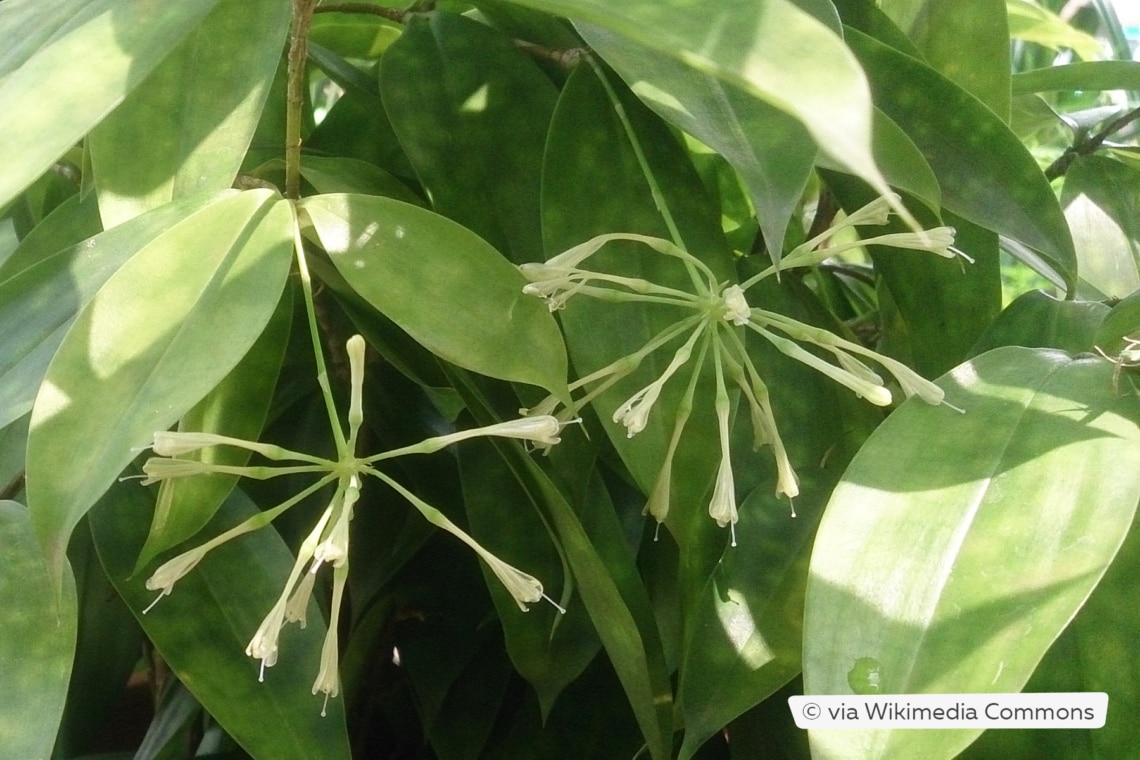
pixel 295 97
pixel 1088 145
pixel 392 14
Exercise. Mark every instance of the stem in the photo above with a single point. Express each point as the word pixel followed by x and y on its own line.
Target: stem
pixel 1090 145
pixel 314 333
pixel 392 14
pixel 295 97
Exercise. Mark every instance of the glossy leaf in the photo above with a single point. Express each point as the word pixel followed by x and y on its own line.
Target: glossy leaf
pixel 178 135
pixel 1084 75
pixel 1038 320
pixel 1120 323
pixel 132 364
pixel 38 642
pixel 38 303
pixel 222 601
pixel 1010 515
pixel 418 268
pixel 548 649
pixel 578 161
pixel 986 174
pixel 744 626
pixel 747 43
pixel 473 126
pixel 72 63
pixel 771 150
pixel 237 408
pixel 1102 202
pixel 76 219
pixel 967 41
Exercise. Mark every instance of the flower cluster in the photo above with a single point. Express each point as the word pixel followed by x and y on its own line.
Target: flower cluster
pixel 327 542
pixel 715 311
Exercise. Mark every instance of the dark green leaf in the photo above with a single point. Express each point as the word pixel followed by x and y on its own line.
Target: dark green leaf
pixel 986 174
pixel 1038 320
pixel 221 604
pixel 1101 198
pixel 471 112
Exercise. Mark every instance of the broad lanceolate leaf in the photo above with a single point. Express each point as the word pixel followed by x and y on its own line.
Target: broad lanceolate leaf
pixel 1088 75
pixel 444 285
pixel 471 112
pixel 39 302
pixel 967 41
pixel 773 152
pixel 163 331
pixel 186 128
pixel 72 63
pixel 986 174
pixel 37 640
pixel 748 43
pixel 957 547
pixel 202 629
pixel 1038 320
pixel 1102 202
pixel 237 407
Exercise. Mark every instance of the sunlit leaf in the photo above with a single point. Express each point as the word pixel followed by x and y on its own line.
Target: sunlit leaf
pixel 955 560
pixel 132 363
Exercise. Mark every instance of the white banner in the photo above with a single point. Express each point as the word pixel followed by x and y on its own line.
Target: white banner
pixel 1054 710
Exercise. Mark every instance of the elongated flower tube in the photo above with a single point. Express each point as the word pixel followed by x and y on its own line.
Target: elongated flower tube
pixel 328 542
pixel 715 309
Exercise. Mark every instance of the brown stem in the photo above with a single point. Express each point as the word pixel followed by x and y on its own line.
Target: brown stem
pixel 295 97
pixel 392 14
pixel 1089 145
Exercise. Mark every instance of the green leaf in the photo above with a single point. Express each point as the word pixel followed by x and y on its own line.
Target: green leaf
pixel 986 174
pixel 1038 320
pixel 76 219
pixel 957 547
pixel 744 626
pixel 162 331
pixel 186 128
pixel 40 301
pixel 772 151
pixel 237 408
pixel 447 287
pixel 74 62
pixel 1095 653
pixel 580 159
pixel 203 627
pixel 471 112
pixel 1101 198
pixel 748 43
pixel 967 41
pixel 37 639
pixel 548 649
pixel 1031 22
pixel 1085 75
pixel 1122 322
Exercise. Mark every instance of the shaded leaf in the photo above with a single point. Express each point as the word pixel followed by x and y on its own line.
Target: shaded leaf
pixel 987 176
pixel 222 602
pixel 134 362
pixel 1101 198
pixel 1008 518
pixel 1038 320
pixel 1084 75
pixel 471 112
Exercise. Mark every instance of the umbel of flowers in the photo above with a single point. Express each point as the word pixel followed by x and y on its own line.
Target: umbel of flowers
pixel 711 328
pixel 327 542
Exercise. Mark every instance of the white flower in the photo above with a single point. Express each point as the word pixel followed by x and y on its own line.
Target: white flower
pixel 298 604
pixel 263 645
pixel 736 306
pixel 634 413
pixel 334 548
pixel 171 571
pixel 169 443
